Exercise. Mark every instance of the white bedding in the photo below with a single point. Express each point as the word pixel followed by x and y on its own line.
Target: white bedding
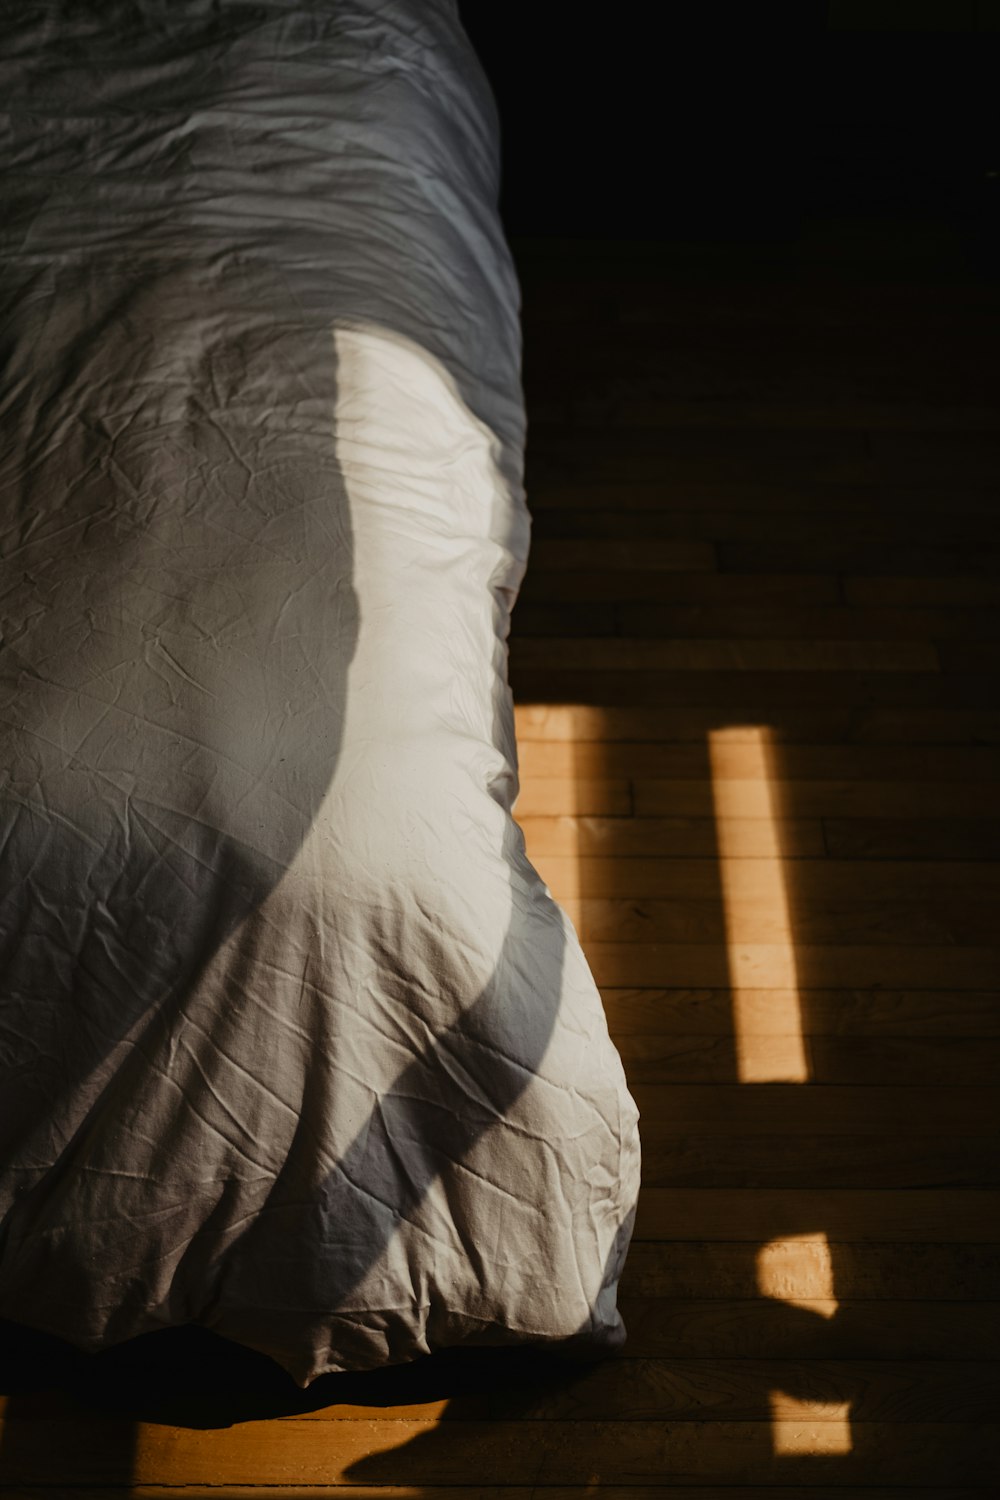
pixel 294 1042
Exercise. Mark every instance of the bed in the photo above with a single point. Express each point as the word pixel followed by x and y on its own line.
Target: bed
pixel 295 1043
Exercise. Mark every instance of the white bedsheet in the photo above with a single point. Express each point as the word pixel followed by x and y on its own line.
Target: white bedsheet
pixel 294 1042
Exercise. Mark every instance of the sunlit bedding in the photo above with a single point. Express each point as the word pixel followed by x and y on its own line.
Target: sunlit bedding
pixel 294 1042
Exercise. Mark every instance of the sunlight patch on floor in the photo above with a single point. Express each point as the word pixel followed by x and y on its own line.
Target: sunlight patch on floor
pixel 823 1428
pixel 798 1270
pixel 780 1056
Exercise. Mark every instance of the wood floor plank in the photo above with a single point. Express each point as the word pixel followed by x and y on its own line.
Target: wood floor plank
pixel 768 622
pixel 962 455
pixel 563 453
pixel 806 340
pixel 557 462
pixel 745 696
pixel 740 757
pixel 702 496
pixel 853 1013
pixel 557 795
pixel 597 363
pixel 858 556
pixel 935 727
pixel 968 587
pixel 584 723
pixel 645 401
pixel 775 966
pixel 605 378
pixel 798 1158
pixel 816 922
pixel 821 530
pixel 969 656
pixel 915 1215
pixel 657 556
pixel 637 654
pixel 573 618
pixel 801 1266
pixel 675 838
pixel 642 280
pixel 649 877
pixel 581 724
pixel 810 1329
pixel 889 800
pixel 914 1062
pixel 910 839
pixel 586 581
pixel 659 286
pixel 733 1109
pixel 553 441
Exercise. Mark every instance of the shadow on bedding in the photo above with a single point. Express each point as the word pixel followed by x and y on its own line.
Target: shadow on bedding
pixel 178 555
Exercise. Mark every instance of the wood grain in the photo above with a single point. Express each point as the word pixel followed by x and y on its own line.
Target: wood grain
pixel 734 1109
pixel 775 965
pixel 685 724
pixel 739 757
pixel 677 837
pixel 870 1271
pixel 810 1329
pixel 650 878
pixel 741 696
pixel 918 1062
pixel 852 1013
pixel 911 1216
pixel 679 919
pixel 637 654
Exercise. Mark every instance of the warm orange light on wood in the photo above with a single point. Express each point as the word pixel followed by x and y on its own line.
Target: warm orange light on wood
pixel 823 1426
pixel 798 1270
pixel 743 789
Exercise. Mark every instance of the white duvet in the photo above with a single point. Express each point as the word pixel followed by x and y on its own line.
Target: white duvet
pixel 294 1042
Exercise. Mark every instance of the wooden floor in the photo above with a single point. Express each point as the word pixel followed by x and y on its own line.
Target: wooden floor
pixel 756 666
